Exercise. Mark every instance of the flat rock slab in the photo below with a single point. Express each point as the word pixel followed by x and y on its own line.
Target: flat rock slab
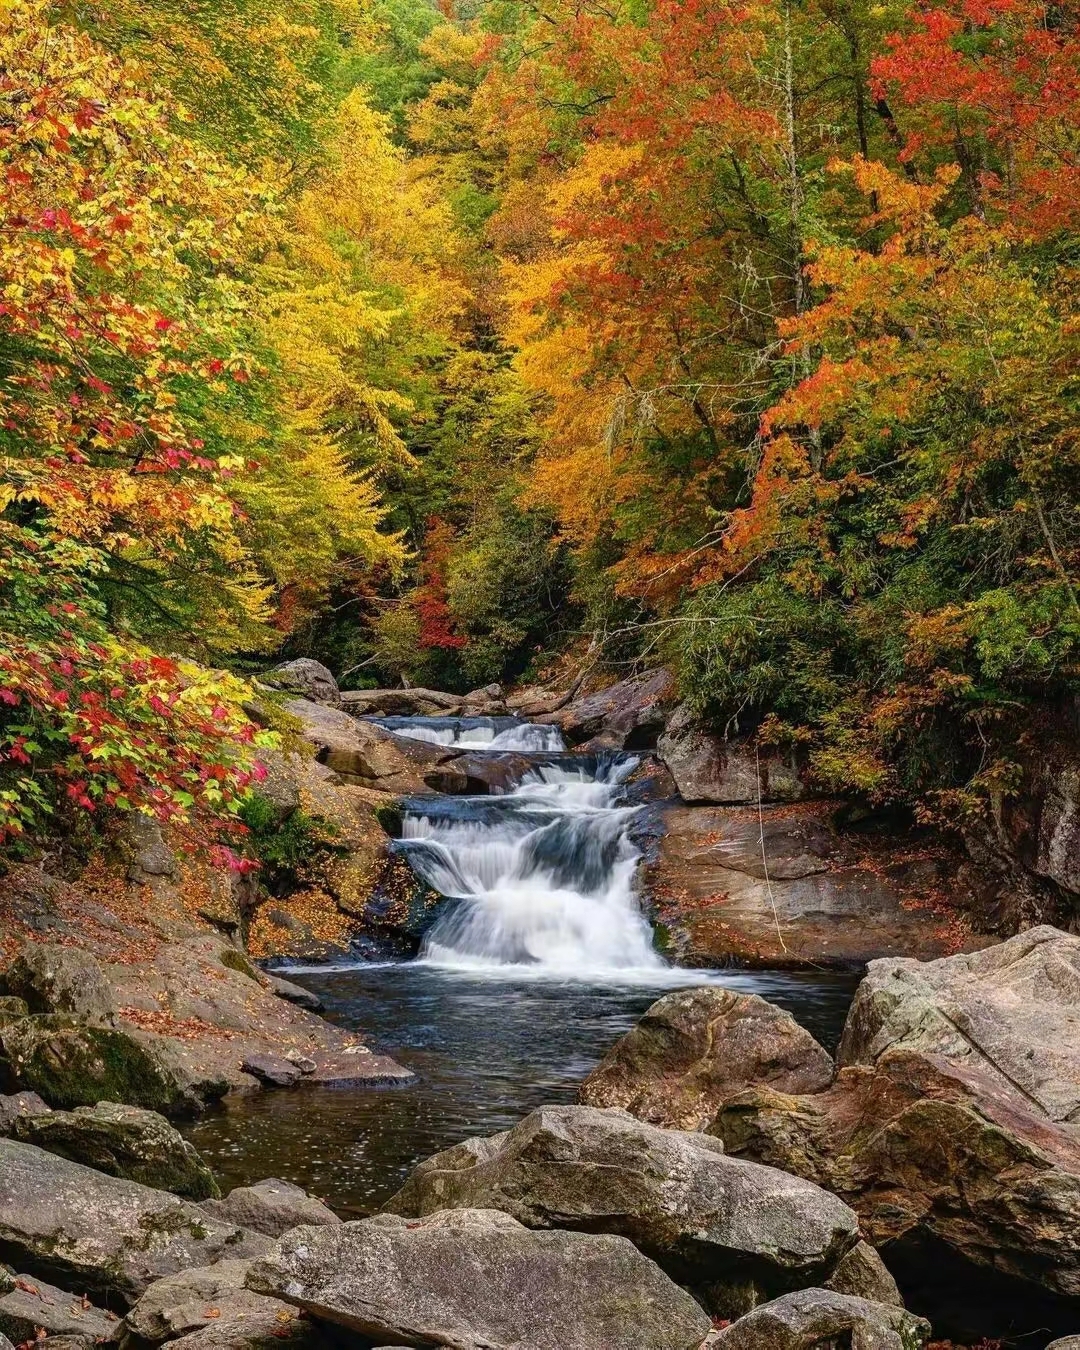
pixel 815 1318
pixel 477 1280
pixel 30 1304
pixel 710 1221
pixel 696 1047
pixel 102 1234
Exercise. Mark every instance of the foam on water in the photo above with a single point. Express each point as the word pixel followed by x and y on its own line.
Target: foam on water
pixel 476 733
pixel 543 877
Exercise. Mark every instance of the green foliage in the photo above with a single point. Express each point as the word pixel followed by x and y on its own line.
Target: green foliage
pixel 286 849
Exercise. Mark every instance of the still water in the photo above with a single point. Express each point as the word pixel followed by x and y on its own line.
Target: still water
pixel 486 1052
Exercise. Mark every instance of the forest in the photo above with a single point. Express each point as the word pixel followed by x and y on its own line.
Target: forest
pixel 448 344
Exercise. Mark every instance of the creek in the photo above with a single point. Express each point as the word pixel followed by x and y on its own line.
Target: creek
pixel 540 959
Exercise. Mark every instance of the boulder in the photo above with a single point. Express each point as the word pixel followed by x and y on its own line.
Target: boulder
pixel 271 1207
pixel 708 768
pixel 102 1234
pixel 628 715
pixel 73 1064
pixel 31 1305
pixel 794 887
pixel 19 1106
pixel 863 1274
pixel 124 1141
pixel 272 1070
pixel 306 677
pixel 280 1330
pixel 191 1299
pixel 1009 1015
pixel 55 979
pixel 364 753
pixel 731 1230
pixel 813 1319
pixel 477 1280
pixel 694 1048
pixel 1065 1343
pixel 953 1118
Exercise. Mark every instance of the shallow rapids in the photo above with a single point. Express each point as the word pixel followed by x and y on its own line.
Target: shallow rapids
pixel 476 733
pixel 541 877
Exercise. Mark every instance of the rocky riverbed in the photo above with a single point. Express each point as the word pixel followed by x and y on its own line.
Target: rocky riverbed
pixel 722 1180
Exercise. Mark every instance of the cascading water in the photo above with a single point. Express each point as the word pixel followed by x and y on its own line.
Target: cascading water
pixel 476 733
pixel 542 876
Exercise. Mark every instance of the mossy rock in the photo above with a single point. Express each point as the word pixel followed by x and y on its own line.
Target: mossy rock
pixel 12 1009
pixel 123 1141
pixel 71 1064
pixel 237 961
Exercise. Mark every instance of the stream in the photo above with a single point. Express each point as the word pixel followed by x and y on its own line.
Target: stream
pixel 540 960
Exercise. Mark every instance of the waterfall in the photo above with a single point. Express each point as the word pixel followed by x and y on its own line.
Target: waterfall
pixel 542 877
pixel 476 733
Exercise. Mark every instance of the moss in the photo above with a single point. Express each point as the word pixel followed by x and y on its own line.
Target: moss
pixel 70 1065
pixel 661 938
pixel 237 961
pixel 389 819
pixel 287 849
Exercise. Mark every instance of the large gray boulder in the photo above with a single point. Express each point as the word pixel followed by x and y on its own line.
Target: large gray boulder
pixel 955 1116
pixel 478 1280
pixel 56 979
pixel 192 1299
pixel 735 1232
pixel 100 1233
pixel 306 677
pixel 124 1141
pixel 28 1304
pixel 1010 1014
pixel 812 1319
pixel 696 1047
pixel 708 768
pixel 271 1207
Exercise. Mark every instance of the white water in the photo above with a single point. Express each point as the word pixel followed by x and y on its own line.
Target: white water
pixel 544 876
pixel 478 733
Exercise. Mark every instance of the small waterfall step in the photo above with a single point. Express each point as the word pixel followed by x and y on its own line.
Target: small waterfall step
pixel 542 877
pixel 475 733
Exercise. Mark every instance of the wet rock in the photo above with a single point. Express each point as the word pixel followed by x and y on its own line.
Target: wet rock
pixel 102 1234
pixel 32 1304
pixel 272 1070
pixel 19 1106
pixel 72 1064
pixel 958 1124
pixel 309 678
pixel 821 896
pixel 710 1221
pixel 708 768
pixel 123 1141
pixel 696 1047
pixel 863 1274
pixel 192 1299
pixel 271 1207
pixel 477 1280
pixel 812 1319
pixel 294 993
pixel 628 715
pixel 55 979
